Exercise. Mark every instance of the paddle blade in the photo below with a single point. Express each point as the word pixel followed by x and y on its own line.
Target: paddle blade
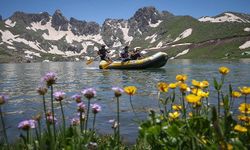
pixel 89 61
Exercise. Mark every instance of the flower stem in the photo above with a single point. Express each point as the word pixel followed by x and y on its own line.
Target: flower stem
pixel 218 93
pixel 63 117
pixel 87 117
pixel 118 121
pixel 245 104
pixel 94 122
pixel 4 129
pixel 81 122
pixel 183 105
pixel 53 113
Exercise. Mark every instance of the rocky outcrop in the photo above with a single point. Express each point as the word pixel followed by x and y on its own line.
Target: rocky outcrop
pixel 29 18
pixel 1 18
pixel 59 22
pixel 84 28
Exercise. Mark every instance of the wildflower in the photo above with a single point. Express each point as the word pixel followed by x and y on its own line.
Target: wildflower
pixel 96 108
pixel 236 94
pixel 200 92
pixel 224 70
pixel 181 77
pixel 77 98
pixel 162 87
pixel 245 90
pixel 27 124
pixel 118 91
pixel 41 90
pixel 50 119
pixel 191 98
pixel 50 78
pixel 240 128
pixel 244 118
pixel 244 108
pixel 89 93
pixel 205 83
pixel 3 99
pixel 202 84
pixel 130 90
pixel 59 96
pixel 190 114
pixel 75 121
pixel 226 146
pixel 81 107
pixel 183 87
pixel 177 107
pixel 172 85
pixel 174 115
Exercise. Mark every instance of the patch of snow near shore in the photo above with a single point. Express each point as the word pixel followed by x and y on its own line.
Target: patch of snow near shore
pixel 184 34
pixel 245 45
pixel 32 53
pixel 155 24
pixel 247 29
pixel 152 37
pixel 9 23
pixel 159 44
pixel 181 44
pixel 228 17
pixel 182 53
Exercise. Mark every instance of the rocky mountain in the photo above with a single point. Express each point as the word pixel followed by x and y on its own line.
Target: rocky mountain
pixel 39 37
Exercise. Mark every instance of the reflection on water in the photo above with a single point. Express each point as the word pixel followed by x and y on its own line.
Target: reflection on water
pixel 19 81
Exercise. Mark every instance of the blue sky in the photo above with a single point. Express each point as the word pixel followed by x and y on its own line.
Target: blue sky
pixel 99 10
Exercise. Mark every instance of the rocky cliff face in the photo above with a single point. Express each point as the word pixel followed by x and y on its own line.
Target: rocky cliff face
pixel 84 28
pixel 29 18
pixel 1 18
pixel 59 22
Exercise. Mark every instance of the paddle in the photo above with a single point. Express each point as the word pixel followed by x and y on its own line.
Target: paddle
pixel 91 60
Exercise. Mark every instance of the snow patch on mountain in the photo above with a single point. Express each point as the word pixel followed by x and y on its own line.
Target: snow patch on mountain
pixel 117 44
pixel 247 29
pixel 155 24
pixel 11 47
pixel 7 37
pixel 54 50
pixel 245 45
pixel 53 34
pixel 125 30
pixel 184 34
pixel 228 17
pixel 9 23
pixel 152 37
pixel 181 44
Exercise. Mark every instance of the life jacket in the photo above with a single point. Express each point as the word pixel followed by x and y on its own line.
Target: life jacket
pixel 124 55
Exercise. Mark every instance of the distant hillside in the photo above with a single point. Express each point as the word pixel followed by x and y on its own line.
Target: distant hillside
pixel 38 37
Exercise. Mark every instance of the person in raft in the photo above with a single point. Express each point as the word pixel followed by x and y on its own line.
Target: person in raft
pixel 125 54
pixel 136 54
pixel 103 54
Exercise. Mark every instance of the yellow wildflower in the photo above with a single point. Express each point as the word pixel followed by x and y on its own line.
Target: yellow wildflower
pixel 130 90
pixel 200 92
pixel 205 83
pixel 183 87
pixel 240 128
pixel 174 115
pixel 244 118
pixel 244 108
pixel 172 85
pixel 162 87
pixel 236 94
pixel 224 70
pixel 181 77
pixel 245 90
pixel 190 114
pixel 177 107
pixel 191 98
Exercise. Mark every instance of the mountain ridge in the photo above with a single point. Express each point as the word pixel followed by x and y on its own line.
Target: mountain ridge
pixel 54 37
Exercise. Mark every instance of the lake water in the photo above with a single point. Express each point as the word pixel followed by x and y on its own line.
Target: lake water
pixel 19 82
